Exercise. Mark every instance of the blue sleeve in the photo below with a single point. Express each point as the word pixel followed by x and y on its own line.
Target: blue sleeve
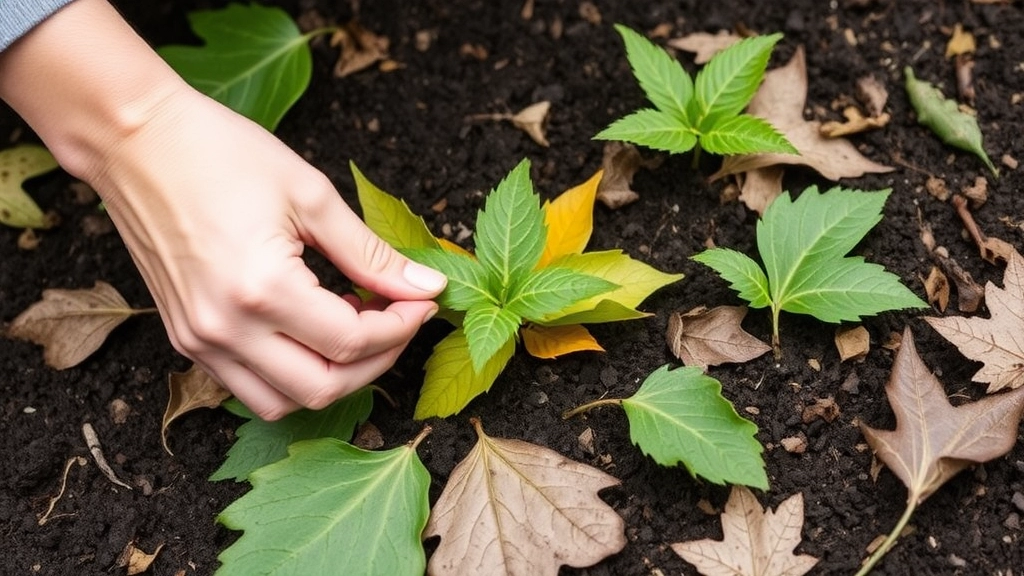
pixel 19 16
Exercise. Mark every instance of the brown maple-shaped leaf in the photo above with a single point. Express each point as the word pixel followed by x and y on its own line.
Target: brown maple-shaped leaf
pixel 189 391
pixel 703 337
pixel 997 341
pixel 756 542
pixel 518 509
pixel 780 100
pixel 72 324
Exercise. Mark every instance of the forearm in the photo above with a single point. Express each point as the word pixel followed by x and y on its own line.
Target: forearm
pixel 84 81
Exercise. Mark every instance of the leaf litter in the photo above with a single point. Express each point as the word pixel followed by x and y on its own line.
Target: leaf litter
pixel 702 337
pixel 190 391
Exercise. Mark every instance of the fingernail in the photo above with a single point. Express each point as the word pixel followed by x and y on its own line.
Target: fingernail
pixel 424 278
pixel 430 315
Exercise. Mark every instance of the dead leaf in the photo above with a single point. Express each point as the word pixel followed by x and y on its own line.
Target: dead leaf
pixel 936 287
pixel 854 124
pixel 703 337
pixel 760 187
pixel 756 542
pixel 872 94
pixel 72 324
pixel 853 343
pixel 620 161
pixel 823 408
pixel 519 509
pixel 554 341
pixel 189 391
pixel 532 119
pixel 998 341
pixel 934 440
pixel 992 249
pixel 360 49
pixel 977 194
pixel 781 100
pixel 705 45
pixel 135 560
pixel 960 42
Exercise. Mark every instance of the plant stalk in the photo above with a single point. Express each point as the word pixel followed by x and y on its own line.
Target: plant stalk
pixel 776 342
pixel 590 406
pixel 890 540
pixel 696 156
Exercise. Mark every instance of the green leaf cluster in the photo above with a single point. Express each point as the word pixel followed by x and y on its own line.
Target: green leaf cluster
pixel 255 60
pixel 803 244
pixel 501 288
pixel 704 112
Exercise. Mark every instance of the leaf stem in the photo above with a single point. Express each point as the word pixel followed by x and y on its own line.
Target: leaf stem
pixel 890 540
pixel 385 394
pixel 320 32
pixel 696 156
pixel 590 406
pixel 776 342
pixel 419 438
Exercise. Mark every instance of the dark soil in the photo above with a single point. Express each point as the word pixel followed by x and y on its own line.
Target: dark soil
pixel 406 131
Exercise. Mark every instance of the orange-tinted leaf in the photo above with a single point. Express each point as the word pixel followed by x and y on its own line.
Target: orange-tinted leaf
pixel 453 247
pixel 570 220
pixel 554 341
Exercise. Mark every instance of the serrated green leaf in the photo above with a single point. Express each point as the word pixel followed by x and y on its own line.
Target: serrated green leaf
pixel 681 416
pixel 945 118
pixel 256 61
pixel 488 329
pixel 510 230
pixel 636 281
pixel 741 272
pixel 745 134
pixel 468 281
pixel 652 128
pixel 260 443
pixel 330 507
pixel 389 217
pixel 725 86
pixel 661 77
pixel 17 164
pixel 451 382
pixel 550 290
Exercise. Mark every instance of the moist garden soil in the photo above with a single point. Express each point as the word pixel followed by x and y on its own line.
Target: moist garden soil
pixel 406 130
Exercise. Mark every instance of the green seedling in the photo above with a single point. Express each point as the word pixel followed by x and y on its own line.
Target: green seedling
pixel 681 416
pixel 705 113
pixel 803 244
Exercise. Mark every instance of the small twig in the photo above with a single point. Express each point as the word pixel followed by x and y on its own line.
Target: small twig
pixel 93 442
pixel 63 484
pixel 590 406
pixel 960 203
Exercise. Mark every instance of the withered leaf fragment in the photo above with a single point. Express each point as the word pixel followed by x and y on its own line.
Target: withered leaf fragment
pixel 872 94
pixel 360 49
pixel 998 341
pixel 703 337
pixel 704 44
pixel 852 343
pixel 619 163
pixel 518 509
pixel 135 559
pixel 855 123
pixel 936 286
pixel 531 120
pixel 188 391
pixel 756 542
pixel 72 324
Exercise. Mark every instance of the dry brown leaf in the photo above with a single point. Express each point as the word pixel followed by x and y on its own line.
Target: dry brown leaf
pixel 360 49
pixel 998 341
pixel 872 94
pixel 760 187
pixel 532 119
pixel 960 42
pixel 703 337
pixel 934 440
pixel 977 193
pixel 188 391
pixel 619 163
pixel 781 100
pixel 936 287
pixel 518 509
pixel 853 343
pixel 823 408
pixel 705 45
pixel 72 324
pixel 135 560
pixel 756 542
pixel 854 124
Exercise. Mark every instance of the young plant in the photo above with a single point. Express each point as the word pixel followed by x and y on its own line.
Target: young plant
pixel 704 113
pixel 529 278
pixel 803 244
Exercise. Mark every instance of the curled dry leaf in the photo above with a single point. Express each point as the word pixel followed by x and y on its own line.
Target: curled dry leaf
pixel 853 343
pixel 360 49
pixel 619 164
pixel 780 100
pixel 188 391
pixel 532 119
pixel 998 341
pixel 17 165
pixel 872 94
pixel 72 324
pixel 756 542
pixel 518 509
pixel 135 559
pixel 705 45
pixel 854 124
pixel 936 287
pixel 703 337
pixel 760 186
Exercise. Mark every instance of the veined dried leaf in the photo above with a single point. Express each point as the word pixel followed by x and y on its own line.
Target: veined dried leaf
pixel 703 337
pixel 936 287
pixel 618 165
pixel 532 119
pixel 18 164
pixel 189 391
pixel 570 220
pixel 517 509
pixel 554 341
pixel 72 324
pixel 756 542
pixel 704 44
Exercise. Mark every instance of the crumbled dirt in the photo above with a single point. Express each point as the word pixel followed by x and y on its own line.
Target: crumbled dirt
pixel 405 129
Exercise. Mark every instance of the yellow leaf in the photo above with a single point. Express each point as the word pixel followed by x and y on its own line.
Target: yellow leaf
pixel 570 221
pixel 453 247
pixel 554 341
pixel 18 164
pixel 450 381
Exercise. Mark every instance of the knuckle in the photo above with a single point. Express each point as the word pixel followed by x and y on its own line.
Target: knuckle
pixel 378 255
pixel 321 397
pixel 347 347
pixel 272 413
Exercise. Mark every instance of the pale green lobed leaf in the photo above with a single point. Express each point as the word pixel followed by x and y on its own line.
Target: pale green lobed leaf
pixel 651 128
pixel 727 83
pixel 741 272
pixel 488 329
pixel 661 77
pixel 550 290
pixel 330 507
pixel 468 281
pixel 451 382
pixel 389 217
pixel 681 416
pixel 17 164
pixel 745 134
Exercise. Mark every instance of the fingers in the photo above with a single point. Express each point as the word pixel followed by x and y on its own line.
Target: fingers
pixel 256 393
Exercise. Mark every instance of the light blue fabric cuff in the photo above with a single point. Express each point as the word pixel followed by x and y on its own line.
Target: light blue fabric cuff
pixel 19 16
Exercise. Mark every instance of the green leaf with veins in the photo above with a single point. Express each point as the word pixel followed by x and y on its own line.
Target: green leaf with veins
pixel 332 507
pixel 661 77
pixel 652 128
pixel 255 61
pixel 744 134
pixel 488 328
pixel 549 290
pixel 727 84
pixel 468 281
pixel 451 382
pixel 803 244
pixel 260 442
pixel 510 230
pixel 389 217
